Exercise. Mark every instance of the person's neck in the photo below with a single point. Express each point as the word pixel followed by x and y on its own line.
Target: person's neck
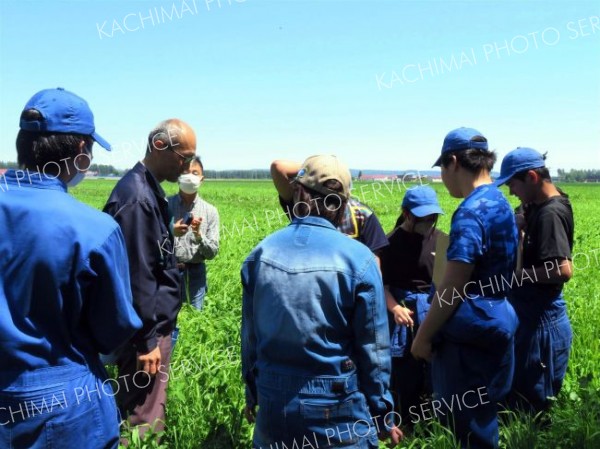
pixel 152 167
pixel 470 181
pixel 405 226
pixel 187 198
pixel 547 191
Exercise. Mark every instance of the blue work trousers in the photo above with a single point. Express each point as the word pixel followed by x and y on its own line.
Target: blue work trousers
pixel 542 347
pixel 193 284
pixel 323 412
pixel 64 407
pixel 474 357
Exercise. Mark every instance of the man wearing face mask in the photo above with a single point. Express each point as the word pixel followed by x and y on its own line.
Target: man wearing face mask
pixel 197 242
pixel 64 286
pixel 139 204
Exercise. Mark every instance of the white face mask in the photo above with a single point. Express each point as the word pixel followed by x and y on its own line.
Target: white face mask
pixel 79 176
pixel 189 183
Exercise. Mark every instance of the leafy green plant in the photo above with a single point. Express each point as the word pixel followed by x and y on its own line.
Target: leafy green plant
pixel 206 394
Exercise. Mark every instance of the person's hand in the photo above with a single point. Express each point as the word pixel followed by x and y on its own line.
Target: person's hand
pixel 250 414
pixel 179 228
pixel 196 222
pixel 421 349
pixel 394 434
pixel 149 362
pixel 403 315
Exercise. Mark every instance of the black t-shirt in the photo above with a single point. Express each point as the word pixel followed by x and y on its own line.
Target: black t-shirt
pixel 548 235
pixel 407 262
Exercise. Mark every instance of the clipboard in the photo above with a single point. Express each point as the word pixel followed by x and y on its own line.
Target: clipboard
pixel 440 261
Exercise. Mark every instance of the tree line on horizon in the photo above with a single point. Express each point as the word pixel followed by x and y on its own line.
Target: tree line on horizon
pixel 573 175
pixel 591 175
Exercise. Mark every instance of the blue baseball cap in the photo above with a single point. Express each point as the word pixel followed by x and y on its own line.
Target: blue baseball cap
pixel 518 160
pixel 462 139
pixel 421 201
pixel 62 112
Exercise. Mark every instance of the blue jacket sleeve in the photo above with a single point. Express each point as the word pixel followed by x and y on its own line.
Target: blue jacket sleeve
pixel 109 312
pixel 372 342
pixel 140 227
pixel 248 339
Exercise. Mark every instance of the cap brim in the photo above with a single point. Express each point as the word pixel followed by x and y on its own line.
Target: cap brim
pixel 502 180
pixel 438 163
pixel 428 209
pixel 100 141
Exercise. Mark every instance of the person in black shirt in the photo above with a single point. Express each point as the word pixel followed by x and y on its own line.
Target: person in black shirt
pixel 407 269
pixel 544 336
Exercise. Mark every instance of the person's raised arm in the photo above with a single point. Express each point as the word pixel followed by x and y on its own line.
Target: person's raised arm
pixel 282 173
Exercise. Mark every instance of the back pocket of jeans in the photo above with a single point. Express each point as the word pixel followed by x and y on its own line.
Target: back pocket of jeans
pixel 327 409
pixel 82 430
pixel 333 420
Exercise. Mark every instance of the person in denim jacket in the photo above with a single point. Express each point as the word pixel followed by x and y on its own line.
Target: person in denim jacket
pixel 315 342
pixel 359 221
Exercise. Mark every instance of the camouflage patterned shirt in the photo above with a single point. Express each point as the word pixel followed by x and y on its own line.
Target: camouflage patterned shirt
pixel 484 233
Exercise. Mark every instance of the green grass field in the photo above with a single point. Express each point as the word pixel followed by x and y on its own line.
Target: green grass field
pixel 206 394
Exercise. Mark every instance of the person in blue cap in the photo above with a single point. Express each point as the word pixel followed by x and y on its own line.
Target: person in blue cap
pixel 64 287
pixel 407 269
pixel 468 333
pixel 544 336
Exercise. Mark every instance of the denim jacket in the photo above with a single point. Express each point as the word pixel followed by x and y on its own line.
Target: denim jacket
pixel 314 307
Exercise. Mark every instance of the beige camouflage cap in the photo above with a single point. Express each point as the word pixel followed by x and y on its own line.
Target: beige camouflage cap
pixel 316 170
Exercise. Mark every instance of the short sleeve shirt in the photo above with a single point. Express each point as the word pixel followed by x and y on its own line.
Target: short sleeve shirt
pixel 407 262
pixel 484 233
pixel 548 235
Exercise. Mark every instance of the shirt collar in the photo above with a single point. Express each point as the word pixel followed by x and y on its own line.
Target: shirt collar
pixel 36 180
pixel 180 199
pixel 152 181
pixel 312 220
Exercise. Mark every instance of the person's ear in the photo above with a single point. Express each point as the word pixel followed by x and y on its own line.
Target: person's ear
pixel 159 144
pixel 533 176
pixel 453 165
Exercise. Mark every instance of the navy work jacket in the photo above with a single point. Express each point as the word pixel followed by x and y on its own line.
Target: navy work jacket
pixel 138 203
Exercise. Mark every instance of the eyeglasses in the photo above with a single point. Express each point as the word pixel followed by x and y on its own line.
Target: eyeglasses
pixel 186 159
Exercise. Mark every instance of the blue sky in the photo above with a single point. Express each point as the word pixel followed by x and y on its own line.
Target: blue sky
pixel 377 82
